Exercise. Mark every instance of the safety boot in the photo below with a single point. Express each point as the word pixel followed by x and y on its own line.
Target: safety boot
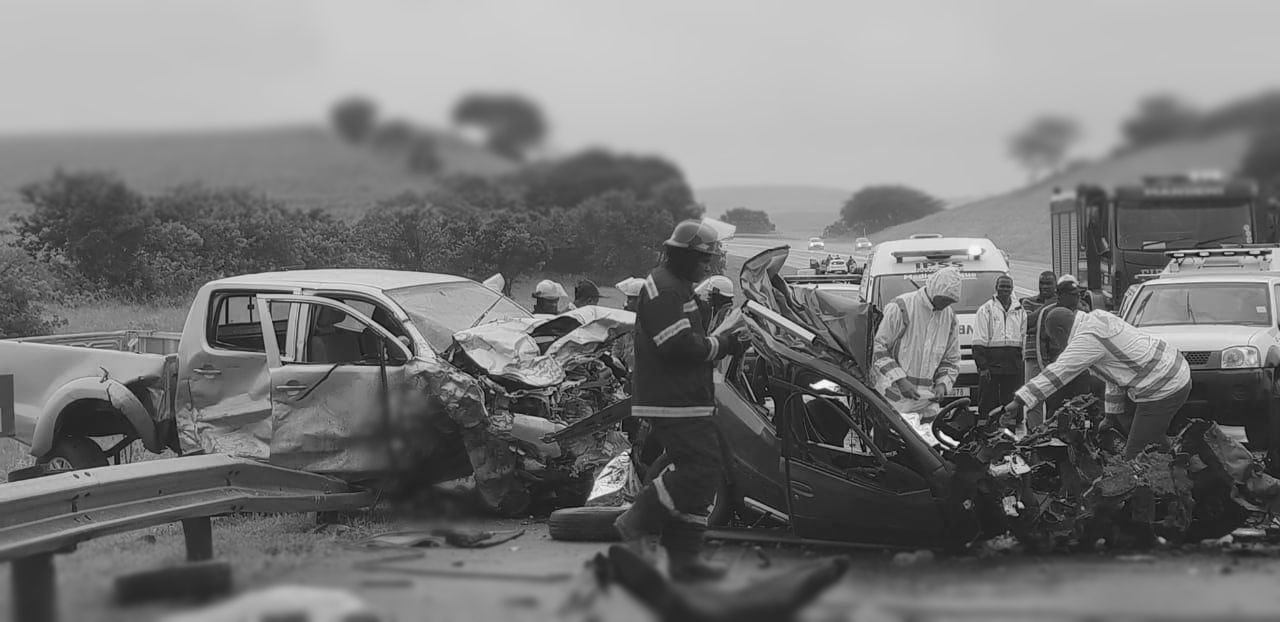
pixel 639 525
pixel 683 541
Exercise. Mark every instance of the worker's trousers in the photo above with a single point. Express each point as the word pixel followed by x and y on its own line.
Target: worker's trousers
pixel 1147 423
pixel 996 390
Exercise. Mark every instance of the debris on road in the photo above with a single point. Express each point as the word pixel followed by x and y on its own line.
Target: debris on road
pixel 773 599
pixel 1075 488
pixel 440 537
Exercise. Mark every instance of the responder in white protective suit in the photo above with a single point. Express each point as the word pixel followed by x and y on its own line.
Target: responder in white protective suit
pixel 916 357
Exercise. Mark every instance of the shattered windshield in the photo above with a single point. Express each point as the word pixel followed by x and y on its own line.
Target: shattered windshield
pixel 1202 303
pixel 441 309
pixel 975 288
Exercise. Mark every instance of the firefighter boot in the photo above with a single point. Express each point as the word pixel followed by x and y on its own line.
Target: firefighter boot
pixel 640 524
pixel 683 541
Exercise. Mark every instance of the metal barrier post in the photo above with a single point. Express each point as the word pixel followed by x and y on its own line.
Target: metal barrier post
pixel 35 589
pixel 198 532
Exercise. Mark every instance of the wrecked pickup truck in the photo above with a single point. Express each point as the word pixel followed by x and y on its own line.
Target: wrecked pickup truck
pixel 813 450
pixel 361 374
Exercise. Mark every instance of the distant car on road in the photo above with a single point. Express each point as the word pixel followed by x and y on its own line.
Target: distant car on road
pixel 816 244
pixel 862 244
pixel 838 266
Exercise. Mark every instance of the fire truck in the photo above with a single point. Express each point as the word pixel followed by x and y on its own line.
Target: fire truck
pixel 1112 239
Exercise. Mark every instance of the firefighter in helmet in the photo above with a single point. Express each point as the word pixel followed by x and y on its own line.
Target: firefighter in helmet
pixel 672 388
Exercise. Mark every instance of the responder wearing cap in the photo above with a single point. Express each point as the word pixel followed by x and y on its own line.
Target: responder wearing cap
pixel 672 387
pixel 716 291
pixel 1068 294
pixel 1147 380
pixel 546 297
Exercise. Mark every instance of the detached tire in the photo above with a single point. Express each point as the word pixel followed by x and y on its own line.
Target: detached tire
pixel 74 453
pixel 584 524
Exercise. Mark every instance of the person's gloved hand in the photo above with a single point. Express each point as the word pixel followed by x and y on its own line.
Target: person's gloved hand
pixel 907 389
pixel 1010 414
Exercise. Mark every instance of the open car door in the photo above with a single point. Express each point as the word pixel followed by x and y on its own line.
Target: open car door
pixel 331 388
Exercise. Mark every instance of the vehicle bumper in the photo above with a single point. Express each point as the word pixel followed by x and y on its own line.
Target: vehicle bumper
pixel 1231 397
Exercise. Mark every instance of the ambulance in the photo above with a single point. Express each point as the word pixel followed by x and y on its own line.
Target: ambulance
pixel 901 266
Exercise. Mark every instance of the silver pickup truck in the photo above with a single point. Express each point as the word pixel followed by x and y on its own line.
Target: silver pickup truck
pixel 353 373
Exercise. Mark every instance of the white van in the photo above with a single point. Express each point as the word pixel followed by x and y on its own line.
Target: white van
pixel 901 266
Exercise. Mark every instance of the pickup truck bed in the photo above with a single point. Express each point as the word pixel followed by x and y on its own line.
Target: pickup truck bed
pixel 67 389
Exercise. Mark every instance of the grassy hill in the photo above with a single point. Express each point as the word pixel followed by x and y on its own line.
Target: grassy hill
pixel 307 166
pixel 799 210
pixel 1018 221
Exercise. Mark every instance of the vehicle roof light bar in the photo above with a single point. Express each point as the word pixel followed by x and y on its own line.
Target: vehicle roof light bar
pixel 1220 252
pixel 972 251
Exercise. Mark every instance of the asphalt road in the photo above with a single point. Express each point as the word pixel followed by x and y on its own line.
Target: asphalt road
pixel 532 578
pixel 1024 273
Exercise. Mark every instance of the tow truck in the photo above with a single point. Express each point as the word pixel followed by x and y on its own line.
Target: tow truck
pixel 1110 240
pixel 1221 309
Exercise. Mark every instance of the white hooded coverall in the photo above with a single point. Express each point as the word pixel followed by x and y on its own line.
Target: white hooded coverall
pixel 920 344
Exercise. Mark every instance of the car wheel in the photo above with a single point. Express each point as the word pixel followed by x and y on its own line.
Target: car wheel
pixel 588 524
pixel 74 452
pixel 721 506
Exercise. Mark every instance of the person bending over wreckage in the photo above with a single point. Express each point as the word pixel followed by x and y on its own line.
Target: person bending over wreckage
pixel 916 356
pixel 1147 380
pixel 672 387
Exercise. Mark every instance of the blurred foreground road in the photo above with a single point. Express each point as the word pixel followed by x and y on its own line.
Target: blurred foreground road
pixel 446 584
pixel 1024 273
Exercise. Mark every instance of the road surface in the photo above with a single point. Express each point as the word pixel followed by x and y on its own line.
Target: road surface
pixel 531 578
pixel 1025 273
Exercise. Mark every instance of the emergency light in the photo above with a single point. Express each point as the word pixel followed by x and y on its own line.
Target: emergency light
pixel 973 252
pixel 1220 258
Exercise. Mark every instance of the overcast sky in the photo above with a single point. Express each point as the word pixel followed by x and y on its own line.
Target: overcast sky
pixel 839 93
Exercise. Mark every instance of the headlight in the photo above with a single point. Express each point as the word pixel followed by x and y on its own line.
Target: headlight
pixel 1241 356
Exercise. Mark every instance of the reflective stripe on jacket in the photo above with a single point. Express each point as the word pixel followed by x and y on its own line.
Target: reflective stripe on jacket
pixel 1134 364
pixel 674 357
pixel 998 335
pixel 917 343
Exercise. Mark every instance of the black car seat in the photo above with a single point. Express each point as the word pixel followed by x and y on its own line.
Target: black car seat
pixel 330 343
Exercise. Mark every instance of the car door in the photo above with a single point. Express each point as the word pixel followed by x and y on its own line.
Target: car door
pixel 331 402
pixel 841 485
pixel 223 363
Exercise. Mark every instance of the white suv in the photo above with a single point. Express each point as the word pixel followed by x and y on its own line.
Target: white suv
pixel 1226 322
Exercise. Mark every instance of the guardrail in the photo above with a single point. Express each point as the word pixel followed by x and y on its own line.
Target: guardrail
pixel 49 515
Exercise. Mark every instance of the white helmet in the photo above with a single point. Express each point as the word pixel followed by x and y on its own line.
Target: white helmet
pixel 630 287
pixel 716 284
pixel 549 289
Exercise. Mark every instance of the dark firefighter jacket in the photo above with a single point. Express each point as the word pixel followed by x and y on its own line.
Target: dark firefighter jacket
pixel 674 357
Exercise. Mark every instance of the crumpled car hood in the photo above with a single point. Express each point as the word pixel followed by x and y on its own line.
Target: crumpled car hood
pixel 841 323
pixel 533 351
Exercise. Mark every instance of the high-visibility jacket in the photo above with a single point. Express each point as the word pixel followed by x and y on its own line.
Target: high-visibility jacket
pixel 1133 363
pixel 674 356
pixel 917 343
pixel 998 336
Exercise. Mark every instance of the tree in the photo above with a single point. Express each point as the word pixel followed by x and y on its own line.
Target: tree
pixel 24 284
pixel 354 118
pixel 393 136
pixel 1160 118
pixel 623 232
pixel 1042 145
pixel 424 156
pixel 569 182
pixel 878 207
pixel 513 125
pixel 749 220
pixel 93 220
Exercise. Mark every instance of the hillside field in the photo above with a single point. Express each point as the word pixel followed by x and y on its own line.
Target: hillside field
pixel 305 166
